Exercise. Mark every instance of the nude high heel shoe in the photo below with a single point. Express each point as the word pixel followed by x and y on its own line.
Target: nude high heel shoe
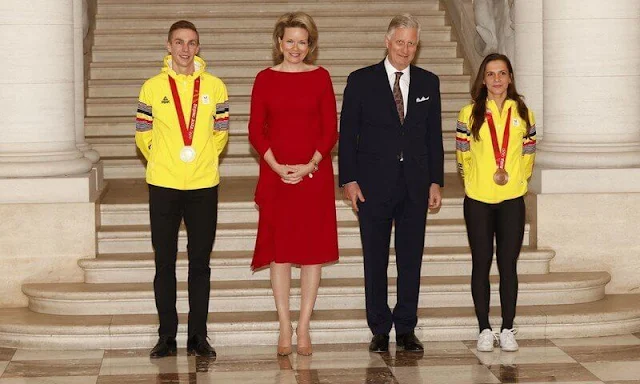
pixel 283 349
pixel 304 350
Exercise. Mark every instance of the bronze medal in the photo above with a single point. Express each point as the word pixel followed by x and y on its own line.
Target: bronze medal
pixel 501 177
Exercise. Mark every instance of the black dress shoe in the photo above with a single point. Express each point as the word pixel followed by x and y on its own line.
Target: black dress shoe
pixel 166 346
pixel 409 342
pixel 199 346
pixel 379 343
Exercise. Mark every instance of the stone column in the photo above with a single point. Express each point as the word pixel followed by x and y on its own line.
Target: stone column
pixel 591 84
pixel 48 189
pixel 37 92
pixel 527 60
pixel 586 183
pixel 78 57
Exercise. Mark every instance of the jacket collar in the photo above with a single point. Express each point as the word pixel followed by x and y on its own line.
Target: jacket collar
pixel 199 64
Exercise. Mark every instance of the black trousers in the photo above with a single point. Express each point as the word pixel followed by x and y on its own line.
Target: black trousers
pixel 376 219
pixel 167 208
pixel 506 221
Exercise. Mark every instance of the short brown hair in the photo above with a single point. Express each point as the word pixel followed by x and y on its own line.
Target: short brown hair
pixel 182 24
pixel 295 20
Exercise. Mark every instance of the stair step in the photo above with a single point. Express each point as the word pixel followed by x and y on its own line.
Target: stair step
pixel 242 86
pixel 332 3
pixel 346 293
pixel 200 8
pixel 238 124
pixel 22 328
pixel 145 70
pixel 237 145
pixel 241 236
pixel 126 106
pixel 233 190
pixel 238 36
pixel 230 166
pixel 126 202
pixel 263 53
pixel 263 20
pixel 233 265
pixel 133 168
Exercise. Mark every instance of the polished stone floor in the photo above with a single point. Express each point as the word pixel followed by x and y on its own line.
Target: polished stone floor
pixel 606 360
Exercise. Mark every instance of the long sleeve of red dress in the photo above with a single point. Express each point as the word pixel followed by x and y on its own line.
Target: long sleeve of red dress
pixel 258 116
pixel 329 121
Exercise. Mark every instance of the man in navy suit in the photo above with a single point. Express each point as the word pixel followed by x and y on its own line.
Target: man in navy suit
pixel 391 163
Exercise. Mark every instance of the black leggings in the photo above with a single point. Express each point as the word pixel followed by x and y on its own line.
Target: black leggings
pixel 505 220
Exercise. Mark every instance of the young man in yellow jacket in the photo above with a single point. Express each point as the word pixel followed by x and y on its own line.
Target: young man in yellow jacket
pixel 181 128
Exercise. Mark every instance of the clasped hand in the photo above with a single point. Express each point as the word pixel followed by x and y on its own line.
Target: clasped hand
pixel 293 174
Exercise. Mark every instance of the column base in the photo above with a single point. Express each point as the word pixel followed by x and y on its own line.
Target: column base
pixel 88 152
pixel 57 166
pixel 42 243
pixel 582 181
pixel 591 232
pixel 65 189
pixel 574 155
pixel 589 218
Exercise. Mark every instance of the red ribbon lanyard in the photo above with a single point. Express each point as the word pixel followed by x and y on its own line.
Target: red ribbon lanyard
pixel 500 155
pixel 187 133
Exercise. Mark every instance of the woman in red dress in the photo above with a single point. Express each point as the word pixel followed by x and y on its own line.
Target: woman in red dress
pixel 293 126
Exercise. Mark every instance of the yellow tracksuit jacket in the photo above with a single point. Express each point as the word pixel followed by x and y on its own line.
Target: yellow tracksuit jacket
pixel 158 134
pixel 476 161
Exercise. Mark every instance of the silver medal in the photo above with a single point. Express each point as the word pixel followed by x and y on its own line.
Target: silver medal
pixel 187 154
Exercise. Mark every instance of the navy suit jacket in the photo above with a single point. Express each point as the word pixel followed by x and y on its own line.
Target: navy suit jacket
pixel 372 138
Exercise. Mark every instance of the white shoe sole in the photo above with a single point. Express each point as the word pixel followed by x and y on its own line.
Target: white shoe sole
pixel 485 349
pixel 509 349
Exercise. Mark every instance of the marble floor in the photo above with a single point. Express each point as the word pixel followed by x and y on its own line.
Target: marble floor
pixel 609 360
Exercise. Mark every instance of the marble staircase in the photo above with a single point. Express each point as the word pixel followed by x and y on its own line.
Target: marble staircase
pixel 129 48
pixel 114 307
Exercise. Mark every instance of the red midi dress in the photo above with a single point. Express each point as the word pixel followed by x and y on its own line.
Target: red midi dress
pixel 294 114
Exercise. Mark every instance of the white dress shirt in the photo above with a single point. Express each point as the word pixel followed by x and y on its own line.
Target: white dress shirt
pixel 405 79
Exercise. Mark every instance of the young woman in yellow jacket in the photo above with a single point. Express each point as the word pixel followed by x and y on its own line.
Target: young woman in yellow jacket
pixel 495 151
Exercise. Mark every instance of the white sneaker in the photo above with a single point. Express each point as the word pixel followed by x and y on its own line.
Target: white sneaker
pixel 508 341
pixel 486 339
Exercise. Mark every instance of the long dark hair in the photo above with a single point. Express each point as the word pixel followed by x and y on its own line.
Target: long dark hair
pixel 479 94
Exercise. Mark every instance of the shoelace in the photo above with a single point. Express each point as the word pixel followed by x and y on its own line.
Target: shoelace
pixel 201 340
pixel 496 336
pixel 205 340
pixel 511 332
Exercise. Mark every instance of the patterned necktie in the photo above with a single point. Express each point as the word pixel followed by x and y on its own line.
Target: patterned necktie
pixel 397 96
